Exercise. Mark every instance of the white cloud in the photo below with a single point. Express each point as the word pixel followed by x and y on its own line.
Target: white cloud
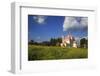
pixel 84 21
pixel 75 23
pixel 39 19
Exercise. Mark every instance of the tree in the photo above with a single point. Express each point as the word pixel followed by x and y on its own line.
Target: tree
pixel 83 43
pixel 59 40
pixel 55 41
pixel 31 42
pixel 46 43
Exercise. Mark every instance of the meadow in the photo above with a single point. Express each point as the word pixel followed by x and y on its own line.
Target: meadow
pixel 38 52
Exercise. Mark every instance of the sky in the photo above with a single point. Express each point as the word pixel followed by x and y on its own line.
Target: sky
pixel 43 28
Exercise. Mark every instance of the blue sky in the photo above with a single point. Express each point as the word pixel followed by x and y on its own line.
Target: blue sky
pixel 43 28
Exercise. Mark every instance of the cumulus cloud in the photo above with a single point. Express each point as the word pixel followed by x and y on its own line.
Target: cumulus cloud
pixel 84 21
pixel 75 23
pixel 40 19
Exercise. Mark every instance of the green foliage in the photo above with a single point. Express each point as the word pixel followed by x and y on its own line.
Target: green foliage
pixel 37 52
pixel 52 42
pixel 84 43
pixel 55 41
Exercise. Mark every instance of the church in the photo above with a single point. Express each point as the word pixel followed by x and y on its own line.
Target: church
pixel 68 41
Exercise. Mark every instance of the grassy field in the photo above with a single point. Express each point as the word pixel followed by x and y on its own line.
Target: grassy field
pixel 55 52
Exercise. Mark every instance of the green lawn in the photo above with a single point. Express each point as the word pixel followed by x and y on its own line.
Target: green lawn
pixel 36 52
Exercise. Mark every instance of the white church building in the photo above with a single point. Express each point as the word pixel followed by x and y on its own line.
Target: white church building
pixel 68 41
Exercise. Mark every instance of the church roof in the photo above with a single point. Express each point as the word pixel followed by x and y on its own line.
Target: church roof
pixel 69 37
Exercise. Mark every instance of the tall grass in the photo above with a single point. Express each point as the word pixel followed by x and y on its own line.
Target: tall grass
pixel 55 52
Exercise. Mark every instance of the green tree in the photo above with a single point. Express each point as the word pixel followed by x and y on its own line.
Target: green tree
pixel 83 43
pixel 55 41
pixel 31 42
